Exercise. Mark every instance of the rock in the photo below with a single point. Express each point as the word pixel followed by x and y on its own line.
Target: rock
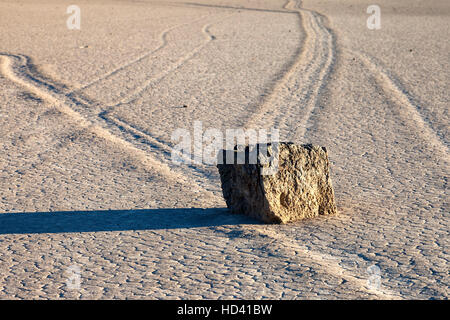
pixel 299 188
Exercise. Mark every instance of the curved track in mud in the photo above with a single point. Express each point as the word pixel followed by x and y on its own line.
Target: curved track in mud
pixel 289 106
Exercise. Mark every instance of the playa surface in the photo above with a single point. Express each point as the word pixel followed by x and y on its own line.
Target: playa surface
pixel 88 191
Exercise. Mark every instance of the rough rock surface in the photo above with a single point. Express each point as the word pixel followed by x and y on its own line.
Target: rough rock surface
pixel 300 187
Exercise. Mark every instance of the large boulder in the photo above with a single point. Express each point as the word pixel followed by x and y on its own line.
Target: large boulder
pixel 295 188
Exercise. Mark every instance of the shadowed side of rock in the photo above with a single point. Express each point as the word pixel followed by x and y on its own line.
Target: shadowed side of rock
pixel 299 188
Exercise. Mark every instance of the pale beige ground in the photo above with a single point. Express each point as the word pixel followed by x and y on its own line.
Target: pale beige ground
pixel 86 119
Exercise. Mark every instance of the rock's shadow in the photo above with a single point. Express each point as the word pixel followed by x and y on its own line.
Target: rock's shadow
pixel 118 220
